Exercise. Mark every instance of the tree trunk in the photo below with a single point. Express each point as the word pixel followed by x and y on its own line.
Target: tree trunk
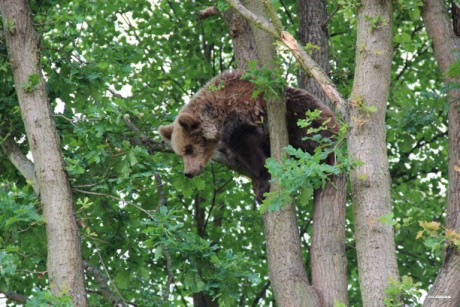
pixel 446 290
pixel 244 46
pixel 286 269
pixel 367 143
pixel 328 258
pixel 64 262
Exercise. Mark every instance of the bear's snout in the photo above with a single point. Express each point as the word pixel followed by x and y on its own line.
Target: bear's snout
pixel 192 168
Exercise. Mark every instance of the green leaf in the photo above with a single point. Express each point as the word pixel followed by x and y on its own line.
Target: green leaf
pixel 388 219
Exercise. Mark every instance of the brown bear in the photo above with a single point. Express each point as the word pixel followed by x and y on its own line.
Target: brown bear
pixel 223 119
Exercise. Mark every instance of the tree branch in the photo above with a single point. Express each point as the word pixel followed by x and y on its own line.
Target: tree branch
pixel 13 296
pixel 106 292
pixel 20 161
pixel 208 12
pixel 259 22
pixel 305 60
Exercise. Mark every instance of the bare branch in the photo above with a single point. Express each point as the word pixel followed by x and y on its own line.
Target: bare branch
pixel 143 140
pixel 315 70
pixel 115 198
pixel 261 23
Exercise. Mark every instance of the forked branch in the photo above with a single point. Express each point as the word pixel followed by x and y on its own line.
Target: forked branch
pixel 305 60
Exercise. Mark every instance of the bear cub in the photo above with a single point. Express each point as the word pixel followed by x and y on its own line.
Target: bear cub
pixel 223 119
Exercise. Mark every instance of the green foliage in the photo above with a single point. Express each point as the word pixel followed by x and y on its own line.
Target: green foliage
pixel 375 22
pixel 454 70
pixel 268 82
pixel 435 239
pixel 388 219
pixel 154 57
pixel 309 48
pixel 7 267
pixel 46 298
pixel 222 5
pixel 301 173
pixel 32 81
pixel 403 293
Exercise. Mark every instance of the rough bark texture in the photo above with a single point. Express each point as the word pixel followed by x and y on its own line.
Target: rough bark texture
pixel 367 143
pixel 312 15
pixel 446 289
pixel 286 269
pixel 64 262
pixel 327 252
pixel 244 46
pixel 328 258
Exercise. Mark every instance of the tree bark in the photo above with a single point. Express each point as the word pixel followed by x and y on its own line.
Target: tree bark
pixel 64 263
pixel 328 258
pixel 244 46
pixel 367 143
pixel 446 290
pixel 312 16
pixel 286 269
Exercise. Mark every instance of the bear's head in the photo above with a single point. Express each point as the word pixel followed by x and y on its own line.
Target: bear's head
pixel 193 139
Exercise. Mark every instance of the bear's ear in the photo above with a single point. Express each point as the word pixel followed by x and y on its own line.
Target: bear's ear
pixel 188 121
pixel 209 131
pixel 166 132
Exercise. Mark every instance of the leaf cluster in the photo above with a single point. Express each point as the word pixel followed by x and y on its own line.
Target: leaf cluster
pixel 403 293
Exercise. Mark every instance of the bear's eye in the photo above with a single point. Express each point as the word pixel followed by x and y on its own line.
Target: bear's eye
pixel 188 150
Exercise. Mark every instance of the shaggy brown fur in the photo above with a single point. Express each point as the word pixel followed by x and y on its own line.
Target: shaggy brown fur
pixel 223 118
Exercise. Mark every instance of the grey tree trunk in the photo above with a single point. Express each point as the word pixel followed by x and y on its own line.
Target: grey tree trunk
pixel 367 143
pixel 286 269
pixel 327 253
pixel 244 45
pixel 446 289
pixel 64 263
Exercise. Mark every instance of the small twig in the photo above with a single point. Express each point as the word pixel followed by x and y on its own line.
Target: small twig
pixel 288 12
pixel 108 275
pixel 115 94
pixel 115 198
pixel 261 294
pixel 324 25
pixel 144 140
pixel 105 290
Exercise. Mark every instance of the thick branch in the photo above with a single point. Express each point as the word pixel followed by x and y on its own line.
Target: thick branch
pixel 258 21
pixel 20 161
pixel 446 45
pixel 315 70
